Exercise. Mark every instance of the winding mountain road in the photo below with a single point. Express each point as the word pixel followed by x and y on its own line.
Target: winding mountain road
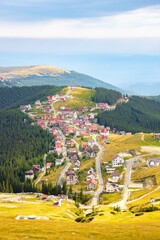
pixel 126 194
pixel 99 175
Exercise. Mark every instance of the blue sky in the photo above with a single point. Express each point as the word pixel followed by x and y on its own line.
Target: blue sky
pixel 117 41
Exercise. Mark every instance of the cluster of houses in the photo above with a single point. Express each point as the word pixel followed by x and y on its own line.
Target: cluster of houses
pixel 36 169
pixel 91 179
pixel 111 185
pixel 71 178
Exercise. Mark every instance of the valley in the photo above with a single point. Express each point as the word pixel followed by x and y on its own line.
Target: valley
pixel 91 176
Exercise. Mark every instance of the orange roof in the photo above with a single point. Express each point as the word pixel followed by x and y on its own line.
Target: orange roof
pixel 44 196
pixel 49 164
pixel 92 181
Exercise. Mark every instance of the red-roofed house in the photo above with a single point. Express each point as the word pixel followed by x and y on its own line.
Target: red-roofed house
pixel 84 145
pixel 73 150
pixel 62 107
pixel 48 165
pixel 91 184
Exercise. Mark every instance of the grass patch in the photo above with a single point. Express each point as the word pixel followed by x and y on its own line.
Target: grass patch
pixel 81 98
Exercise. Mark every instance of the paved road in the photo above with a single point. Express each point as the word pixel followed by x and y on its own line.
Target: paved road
pixel 129 164
pixel 43 172
pixel 53 109
pixel 63 172
pixel 99 175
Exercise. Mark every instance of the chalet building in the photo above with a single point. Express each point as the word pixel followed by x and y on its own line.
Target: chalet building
pixel 117 161
pixel 95 148
pixel 29 174
pixel 71 177
pixel 36 168
pixel 62 107
pixel 91 184
pixel 153 162
pixel 49 165
pixel 115 177
pixel 58 162
pixel 25 107
pixel 76 165
pixel 84 145
pixel 111 188
pixel 90 170
pixel 38 103
pixel 110 170
pixel 91 176
pixel 74 158
pixel 156 135
pixel 91 142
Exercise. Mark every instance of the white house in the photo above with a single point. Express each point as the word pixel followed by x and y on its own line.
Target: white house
pixel 29 174
pixel 115 177
pixel 153 162
pixel 91 142
pixel 117 161
pixel 111 187
pixel 62 107
pixel 58 162
pixel 91 176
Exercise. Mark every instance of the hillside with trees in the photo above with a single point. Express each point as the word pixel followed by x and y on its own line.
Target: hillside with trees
pixel 104 95
pixel 21 146
pixel 138 115
pixel 15 96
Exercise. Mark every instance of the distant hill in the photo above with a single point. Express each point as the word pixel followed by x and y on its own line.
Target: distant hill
pixel 48 75
pixel 138 115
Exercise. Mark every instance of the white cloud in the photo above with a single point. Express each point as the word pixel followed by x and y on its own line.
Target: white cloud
pixel 139 23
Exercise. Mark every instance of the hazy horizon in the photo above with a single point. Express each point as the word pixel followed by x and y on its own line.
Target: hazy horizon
pixel 115 41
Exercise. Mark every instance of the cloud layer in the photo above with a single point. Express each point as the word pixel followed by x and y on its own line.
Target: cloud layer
pixel 141 23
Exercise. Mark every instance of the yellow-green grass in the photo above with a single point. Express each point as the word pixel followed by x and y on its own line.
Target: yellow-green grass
pixel 111 198
pixel 85 164
pixel 139 193
pixel 149 140
pixel 145 200
pixel 120 226
pixel 81 98
pixel 43 208
pixel 144 173
pixel 54 174
pixel 120 144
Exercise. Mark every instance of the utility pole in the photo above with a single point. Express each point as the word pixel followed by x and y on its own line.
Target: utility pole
pixel 22 202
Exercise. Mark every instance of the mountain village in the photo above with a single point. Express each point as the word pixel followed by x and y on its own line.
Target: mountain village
pixel 77 139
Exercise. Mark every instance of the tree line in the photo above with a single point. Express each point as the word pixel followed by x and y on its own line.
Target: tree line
pixel 16 96
pixel 138 115
pixel 104 95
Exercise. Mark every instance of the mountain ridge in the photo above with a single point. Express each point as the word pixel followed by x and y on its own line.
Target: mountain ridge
pixel 49 75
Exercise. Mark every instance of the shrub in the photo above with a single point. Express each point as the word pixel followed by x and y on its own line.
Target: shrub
pixel 112 212
pixel 139 214
pixel 79 219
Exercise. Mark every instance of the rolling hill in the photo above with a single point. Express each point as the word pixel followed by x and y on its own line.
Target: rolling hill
pixel 48 75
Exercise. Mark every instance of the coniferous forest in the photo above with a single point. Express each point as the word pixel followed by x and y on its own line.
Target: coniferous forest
pixel 104 95
pixel 21 146
pixel 138 115
pixel 15 96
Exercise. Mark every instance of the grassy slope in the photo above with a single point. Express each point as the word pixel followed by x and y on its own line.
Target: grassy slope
pixel 121 143
pixel 81 98
pixel 61 226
